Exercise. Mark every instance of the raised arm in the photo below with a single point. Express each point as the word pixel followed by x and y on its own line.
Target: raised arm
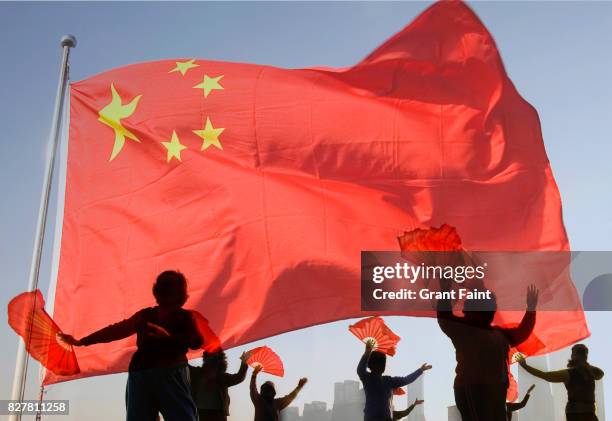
pixel 396 382
pixel 559 376
pixel 519 334
pixel 253 385
pixel 363 362
pixel 515 406
pixel 110 333
pixel 238 377
pixel 448 322
pixel 285 401
pixel 398 415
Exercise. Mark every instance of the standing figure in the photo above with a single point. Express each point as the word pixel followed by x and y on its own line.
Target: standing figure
pixel 379 388
pixel 210 382
pixel 579 379
pixel 267 405
pixel 481 380
pixel 158 378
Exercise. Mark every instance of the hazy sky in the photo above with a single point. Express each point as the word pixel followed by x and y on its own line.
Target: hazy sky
pixel 557 53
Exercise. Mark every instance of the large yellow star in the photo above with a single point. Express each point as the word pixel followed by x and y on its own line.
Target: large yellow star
pixel 184 66
pixel 210 135
pixel 208 84
pixel 174 147
pixel 112 114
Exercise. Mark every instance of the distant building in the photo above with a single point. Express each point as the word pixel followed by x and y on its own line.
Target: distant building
pixel 541 404
pixel 453 413
pixel 349 400
pixel 291 413
pixel 316 411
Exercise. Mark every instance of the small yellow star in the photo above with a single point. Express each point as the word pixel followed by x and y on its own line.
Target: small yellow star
pixel 184 66
pixel 210 135
pixel 208 84
pixel 174 147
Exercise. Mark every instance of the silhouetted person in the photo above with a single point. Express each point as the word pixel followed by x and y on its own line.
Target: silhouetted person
pixel 267 405
pixel 579 379
pixel 481 350
pixel 398 415
pixel 379 388
pixel 158 377
pixel 515 406
pixel 209 384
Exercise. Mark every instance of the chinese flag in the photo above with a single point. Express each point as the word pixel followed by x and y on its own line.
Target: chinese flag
pixel 263 184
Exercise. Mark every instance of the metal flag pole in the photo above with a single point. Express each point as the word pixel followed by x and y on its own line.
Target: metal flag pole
pixel 21 363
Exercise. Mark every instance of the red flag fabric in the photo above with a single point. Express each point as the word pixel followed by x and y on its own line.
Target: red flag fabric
pixel 374 328
pixel 211 342
pixel 264 184
pixel 41 335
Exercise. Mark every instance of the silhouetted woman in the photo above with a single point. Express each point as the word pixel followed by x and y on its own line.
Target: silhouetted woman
pixel 210 382
pixel 267 405
pixel 481 350
pixel 158 377
pixel 579 379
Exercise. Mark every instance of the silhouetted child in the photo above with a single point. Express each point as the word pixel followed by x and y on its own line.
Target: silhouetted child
pixel 481 350
pixel 378 388
pixel 158 377
pixel 209 384
pixel 398 415
pixel 579 379
pixel 515 406
pixel 267 405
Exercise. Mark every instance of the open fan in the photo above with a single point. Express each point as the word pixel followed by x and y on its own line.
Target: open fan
pixel 210 341
pixel 28 318
pixel 444 238
pixel 375 328
pixel 416 244
pixel 269 361
pixel 399 391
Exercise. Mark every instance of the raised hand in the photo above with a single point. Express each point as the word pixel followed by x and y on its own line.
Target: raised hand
pixel 69 339
pixel 532 297
pixel 370 344
pixel 426 367
pixel 244 357
pixel 257 369
pixel 418 401
pixel 302 382
pixel 520 358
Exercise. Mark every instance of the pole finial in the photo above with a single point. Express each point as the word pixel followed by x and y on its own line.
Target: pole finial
pixel 69 41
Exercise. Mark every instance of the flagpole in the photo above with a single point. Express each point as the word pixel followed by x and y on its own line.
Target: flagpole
pixel 21 363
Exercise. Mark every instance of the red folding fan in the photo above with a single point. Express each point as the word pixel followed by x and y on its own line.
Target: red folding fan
pixel 444 238
pixel 375 328
pixel 210 341
pixel 417 245
pixel 28 318
pixel 267 359
pixel 399 391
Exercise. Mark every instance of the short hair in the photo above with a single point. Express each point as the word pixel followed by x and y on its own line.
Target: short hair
pixel 170 288
pixel 377 359
pixel 581 349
